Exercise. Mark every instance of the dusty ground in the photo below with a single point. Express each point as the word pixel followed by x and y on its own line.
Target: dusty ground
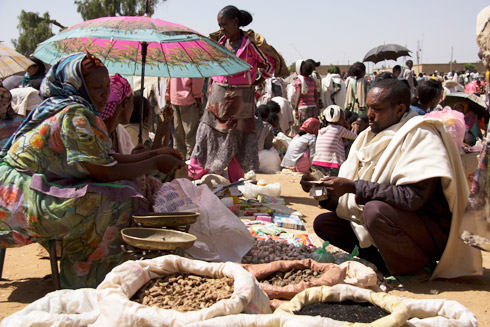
pixel 27 276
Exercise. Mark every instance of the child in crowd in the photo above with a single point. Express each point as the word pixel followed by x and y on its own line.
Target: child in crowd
pixel 302 147
pixel 329 149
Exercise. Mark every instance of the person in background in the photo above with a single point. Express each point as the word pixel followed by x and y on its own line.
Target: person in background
pixel 117 111
pixel 9 120
pixel 226 134
pixel 301 149
pixel 265 136
pixel 286 118
pixel 408 75
pixel 306 105
pixel 35 74
pixel 185 96
pixel 329 148
pixel 357 88
pixel 63 181
pixel 333 88
pixel 429 94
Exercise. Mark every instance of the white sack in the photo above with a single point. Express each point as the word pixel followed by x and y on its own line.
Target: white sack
pixel 125 280
pixel 221 236
pixel 269 161
pixel 438 313
pixel 64 308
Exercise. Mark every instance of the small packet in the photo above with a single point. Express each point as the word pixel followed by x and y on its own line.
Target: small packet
pixel 322 255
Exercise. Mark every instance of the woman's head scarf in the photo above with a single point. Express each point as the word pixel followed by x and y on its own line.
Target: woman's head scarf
pixel 120 90
pixel 310 126
pixel 62 87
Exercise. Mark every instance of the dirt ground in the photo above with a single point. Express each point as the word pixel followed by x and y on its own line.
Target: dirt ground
pixel 27 277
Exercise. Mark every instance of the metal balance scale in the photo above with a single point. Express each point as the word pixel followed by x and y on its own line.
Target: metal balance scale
pixel 159 234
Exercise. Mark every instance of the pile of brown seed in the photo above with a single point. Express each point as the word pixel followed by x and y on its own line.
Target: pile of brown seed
pixel 184 292
pixel 291 277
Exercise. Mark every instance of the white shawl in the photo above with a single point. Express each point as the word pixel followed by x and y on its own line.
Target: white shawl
pixel 415 149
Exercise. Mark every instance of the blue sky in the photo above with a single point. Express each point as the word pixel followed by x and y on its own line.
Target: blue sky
pixel 333 32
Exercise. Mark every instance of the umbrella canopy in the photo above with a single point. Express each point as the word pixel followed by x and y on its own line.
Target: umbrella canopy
pixel 12 62
pixel 386 52
pixel 172 50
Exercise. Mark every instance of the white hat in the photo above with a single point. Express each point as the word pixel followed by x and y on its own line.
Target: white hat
pixel 332 113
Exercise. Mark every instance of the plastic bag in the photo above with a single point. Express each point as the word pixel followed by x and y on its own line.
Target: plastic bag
pixel 453 121
pixel 322 255
pixel 269 161
pixel 70 308
pixel 221 236
pixel 251 191
pixel 115 292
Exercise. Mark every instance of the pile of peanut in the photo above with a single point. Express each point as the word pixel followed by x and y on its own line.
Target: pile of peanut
pixel 184 292
pixel 265 251
pixel 291 277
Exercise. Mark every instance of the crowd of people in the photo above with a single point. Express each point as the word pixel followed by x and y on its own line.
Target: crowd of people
pixel 74 170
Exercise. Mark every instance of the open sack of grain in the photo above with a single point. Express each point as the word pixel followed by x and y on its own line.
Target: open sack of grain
pixel 397 311
pixel 115 293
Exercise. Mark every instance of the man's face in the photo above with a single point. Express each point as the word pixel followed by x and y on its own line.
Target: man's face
pixel 381 113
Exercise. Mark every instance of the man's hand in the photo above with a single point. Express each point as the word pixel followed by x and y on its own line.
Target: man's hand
pixel 304 182
pixel 338 186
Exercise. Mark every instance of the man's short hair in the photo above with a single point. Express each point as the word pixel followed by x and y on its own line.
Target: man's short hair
pixel 274 106
pixel 397 67
pixel 398 93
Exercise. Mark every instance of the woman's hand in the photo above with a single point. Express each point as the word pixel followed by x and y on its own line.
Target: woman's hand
pixel 167 162
pixel 170 151
pixel 140 148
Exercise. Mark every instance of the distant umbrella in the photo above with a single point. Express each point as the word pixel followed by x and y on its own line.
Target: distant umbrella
pixel 386 52
pixel 12 62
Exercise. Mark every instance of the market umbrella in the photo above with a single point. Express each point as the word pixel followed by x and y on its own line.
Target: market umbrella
pixel 12 62
pixel 129 45
pixel 386 52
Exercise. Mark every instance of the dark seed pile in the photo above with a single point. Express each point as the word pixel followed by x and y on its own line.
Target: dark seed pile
pixel 349 311
pixel 184 292
pixel 291 277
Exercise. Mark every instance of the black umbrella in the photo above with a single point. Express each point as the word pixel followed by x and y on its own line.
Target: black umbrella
pixel 386 52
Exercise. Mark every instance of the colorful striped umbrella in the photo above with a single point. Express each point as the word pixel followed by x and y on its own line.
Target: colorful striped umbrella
pixel 172 50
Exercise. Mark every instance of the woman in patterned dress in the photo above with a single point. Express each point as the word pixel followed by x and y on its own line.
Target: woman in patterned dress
pixel 60 180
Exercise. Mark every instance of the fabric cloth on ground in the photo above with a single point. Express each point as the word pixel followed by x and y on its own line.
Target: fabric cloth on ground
pixel 46 191
pixel 398 155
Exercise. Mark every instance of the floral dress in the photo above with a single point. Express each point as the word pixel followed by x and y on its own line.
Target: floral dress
pixel 45 194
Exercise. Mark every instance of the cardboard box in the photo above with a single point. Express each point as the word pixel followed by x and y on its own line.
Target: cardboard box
pixel 288 221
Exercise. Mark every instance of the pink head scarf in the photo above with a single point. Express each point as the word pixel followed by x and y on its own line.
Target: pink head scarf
pixel 311 126
pixel 120 89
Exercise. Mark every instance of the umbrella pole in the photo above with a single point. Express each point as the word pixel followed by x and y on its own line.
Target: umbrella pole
pixel 144 47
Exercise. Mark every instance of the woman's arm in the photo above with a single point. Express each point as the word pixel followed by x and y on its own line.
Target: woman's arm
pixel 133 158
pixel 129 170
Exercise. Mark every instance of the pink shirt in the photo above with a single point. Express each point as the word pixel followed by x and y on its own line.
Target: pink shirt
pixel 307 99
pixel 252 55
pixel 329 148
pixel 183 91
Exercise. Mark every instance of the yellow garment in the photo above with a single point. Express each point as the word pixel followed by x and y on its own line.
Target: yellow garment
pixel 415 149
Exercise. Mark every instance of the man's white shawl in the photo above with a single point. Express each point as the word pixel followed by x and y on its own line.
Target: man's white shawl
pixel 415 149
